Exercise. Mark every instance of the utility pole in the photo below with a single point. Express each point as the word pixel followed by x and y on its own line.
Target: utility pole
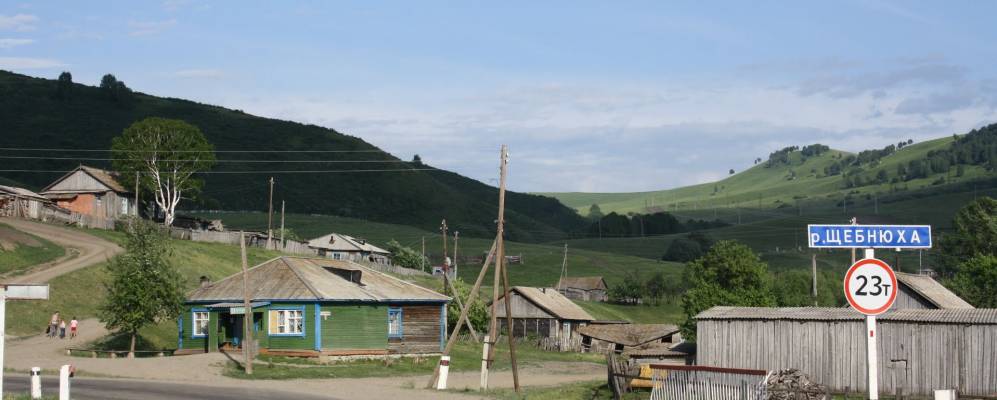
pixel 455 235
pixel 282 224
pixel 564 268
pixel 854 221
pixel 500 266
pixel 270 217
pixel 813 259
pixel 247 310
pixel 422 261
pixel 446 265
pixel 137 208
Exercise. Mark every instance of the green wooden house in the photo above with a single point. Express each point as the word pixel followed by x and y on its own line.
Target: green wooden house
pixel 307 307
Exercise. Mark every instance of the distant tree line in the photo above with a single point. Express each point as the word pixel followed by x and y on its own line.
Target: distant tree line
pixel 636 225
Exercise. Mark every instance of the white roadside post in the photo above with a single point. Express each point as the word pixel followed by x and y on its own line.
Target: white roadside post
pixel 483 385
pixel 36 383
pixel 441 383
pixel 872 355
pixel 64 374
pixel 15 292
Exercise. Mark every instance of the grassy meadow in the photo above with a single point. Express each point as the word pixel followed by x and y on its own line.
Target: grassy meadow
pixel 25 255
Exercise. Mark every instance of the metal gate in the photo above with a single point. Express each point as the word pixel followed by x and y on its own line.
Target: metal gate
pixel 691 382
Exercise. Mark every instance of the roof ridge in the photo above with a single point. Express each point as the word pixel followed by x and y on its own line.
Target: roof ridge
pixel 397 279
pixel 302 279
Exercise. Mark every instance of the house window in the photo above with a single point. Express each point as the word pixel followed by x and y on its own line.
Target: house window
pixel 287 322
pixel 200 323
pixel 124 206
pixel 394 322
pixel 337 256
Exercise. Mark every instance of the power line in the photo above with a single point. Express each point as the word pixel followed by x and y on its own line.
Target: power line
pixel 194 151
pixel 218 161
pixel 327 171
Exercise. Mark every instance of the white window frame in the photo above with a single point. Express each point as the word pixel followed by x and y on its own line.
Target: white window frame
pixel 396 330
pixel 289 322
pixel 199 319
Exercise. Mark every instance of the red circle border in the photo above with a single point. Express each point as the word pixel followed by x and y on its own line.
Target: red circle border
pixel 893 279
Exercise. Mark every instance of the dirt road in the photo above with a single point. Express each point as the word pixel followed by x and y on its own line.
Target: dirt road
pixel 88 250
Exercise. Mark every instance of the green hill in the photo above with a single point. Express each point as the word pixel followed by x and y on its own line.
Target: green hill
pixel 797 180
pixel 41 113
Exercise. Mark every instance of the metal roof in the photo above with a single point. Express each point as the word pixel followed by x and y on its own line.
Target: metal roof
pixel 952 316
pixel 582 282
pixel 628 334
pixel 932 291
pixel 22 192
pixel 107 178
pixel 553 302
pixel 340 242
pixel 298 278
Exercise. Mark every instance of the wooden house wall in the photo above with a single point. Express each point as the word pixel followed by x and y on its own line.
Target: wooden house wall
pixel 355 327
pixel 79 181
pixel 940 356
pixel 521 308
pixel 531 327
pixel 908 298
pixel 420 329
pixel 582 294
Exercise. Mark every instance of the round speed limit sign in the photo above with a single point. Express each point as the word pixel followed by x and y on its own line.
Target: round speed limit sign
pixel 871 286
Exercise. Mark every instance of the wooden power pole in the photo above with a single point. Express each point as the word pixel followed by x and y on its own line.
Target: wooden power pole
pixel 247 310
pixel 282 203
pixel 564 268
pixel 455 235
pixel 813 260
pixel 422 261
pixel 446 265
pixel 270 217
pixel 138 210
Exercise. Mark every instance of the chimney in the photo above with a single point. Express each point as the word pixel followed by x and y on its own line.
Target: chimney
pixel 205 281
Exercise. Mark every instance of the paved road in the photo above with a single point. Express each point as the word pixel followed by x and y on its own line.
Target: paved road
pixel 92 250
pixel 122 389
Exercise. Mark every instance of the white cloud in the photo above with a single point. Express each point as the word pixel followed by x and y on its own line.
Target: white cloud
pixel 145 28
pixel 206 73
pixel 18 22
pixel 6 43
pixel 15 63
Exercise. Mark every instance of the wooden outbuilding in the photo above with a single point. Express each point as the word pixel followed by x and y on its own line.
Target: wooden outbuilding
pixel 924 292
pixel 919 350
pixel 622 337
pixel 542 312
pixel 21 203
pixel 310 307
pixel 588 288
pixel 92 192
pixel 343 247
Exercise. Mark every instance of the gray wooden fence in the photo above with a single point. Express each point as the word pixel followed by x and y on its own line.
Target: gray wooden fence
pixel 690 382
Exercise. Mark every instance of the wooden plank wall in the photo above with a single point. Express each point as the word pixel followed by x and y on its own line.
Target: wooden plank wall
pixel 939 356
pixel 420 330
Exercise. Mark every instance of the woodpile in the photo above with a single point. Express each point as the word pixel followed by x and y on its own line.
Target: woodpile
pixel 791 384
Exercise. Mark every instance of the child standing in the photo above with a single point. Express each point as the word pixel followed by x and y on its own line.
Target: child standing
pixel 62 329
pixel 72 327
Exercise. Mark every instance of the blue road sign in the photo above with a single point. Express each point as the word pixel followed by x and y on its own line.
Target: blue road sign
pixel 870 236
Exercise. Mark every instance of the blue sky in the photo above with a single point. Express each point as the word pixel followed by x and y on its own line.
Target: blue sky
pixel 590 96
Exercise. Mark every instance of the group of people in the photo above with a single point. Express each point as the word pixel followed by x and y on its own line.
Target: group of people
pixel 57 327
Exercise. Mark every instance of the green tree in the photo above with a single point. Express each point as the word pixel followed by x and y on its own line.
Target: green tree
pixel 65 85
pixel 416 160
pixel 976 281
pixel 683 250
pixel 974 233
pixel 595 213
pixel 477 312
pixel 728 274
pixel 114 89
pixel 167 153
pixel 406 257
pixel 144 288
pixel 629 291
pixel 793 288
pixel 655 287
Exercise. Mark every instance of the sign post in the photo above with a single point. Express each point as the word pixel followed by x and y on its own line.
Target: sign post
pixel 15 292
pixel 870 284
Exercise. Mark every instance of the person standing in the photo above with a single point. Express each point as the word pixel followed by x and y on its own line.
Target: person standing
pixel 62 329
pixel 53 325
pixel 72 327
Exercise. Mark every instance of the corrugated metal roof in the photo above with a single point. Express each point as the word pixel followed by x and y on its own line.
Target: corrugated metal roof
pixel 582 282
pixel 954 316
pixel 932 291
pixel 553 302
pixel 340 242
pixel 297 278
pixel 628 334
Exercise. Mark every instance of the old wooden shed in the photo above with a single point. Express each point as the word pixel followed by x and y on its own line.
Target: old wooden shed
pixel 924 292
pixel 601 338
pixel 542 312
pixel 588 288
pixel 93 192
pixel 919 350
pixel 21 203
pixel 304 306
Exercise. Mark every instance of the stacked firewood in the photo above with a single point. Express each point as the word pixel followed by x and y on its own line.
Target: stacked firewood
pixel 791 384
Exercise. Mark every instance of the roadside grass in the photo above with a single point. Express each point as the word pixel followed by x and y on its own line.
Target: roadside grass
pixel 589 390
pixel 25 256
pixel 668 312
pixel 465 356
pixel 81 292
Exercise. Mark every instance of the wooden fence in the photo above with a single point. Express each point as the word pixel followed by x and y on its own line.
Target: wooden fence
pixel 700 382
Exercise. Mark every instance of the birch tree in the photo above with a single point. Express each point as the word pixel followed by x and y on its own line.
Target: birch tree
pixel 166 153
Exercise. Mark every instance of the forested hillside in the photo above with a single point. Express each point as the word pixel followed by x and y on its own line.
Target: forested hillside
pixel 60 114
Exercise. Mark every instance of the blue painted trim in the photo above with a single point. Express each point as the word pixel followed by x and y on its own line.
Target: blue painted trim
pixel 443 325
pixel 401 325
pixel 318 327
pixel 304 322
pixel 386 301
pixel 193 321
pixel 180 331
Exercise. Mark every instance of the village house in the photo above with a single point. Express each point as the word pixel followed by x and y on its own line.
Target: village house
pixel 618 338
pixel 21 203
pixel 342 247
pixel 542 312
pixel 311 307
pixel 920 350
pixel 588 288
pixel 92 192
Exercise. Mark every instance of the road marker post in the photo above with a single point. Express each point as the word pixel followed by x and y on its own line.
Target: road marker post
pixel 65 372
pixel 441 383
pixel 36 383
